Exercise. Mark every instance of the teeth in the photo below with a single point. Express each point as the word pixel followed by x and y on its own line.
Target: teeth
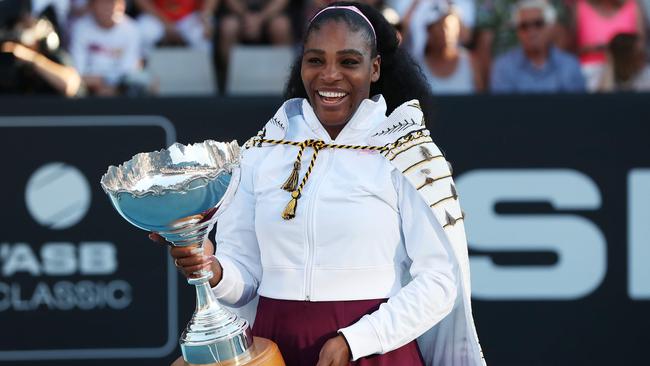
pixel 331 94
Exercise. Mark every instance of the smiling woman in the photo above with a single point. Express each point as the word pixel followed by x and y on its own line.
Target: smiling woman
pixel 367 263
pixel 362 48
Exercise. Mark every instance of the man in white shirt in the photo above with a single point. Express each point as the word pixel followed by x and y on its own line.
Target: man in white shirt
pixel 105 46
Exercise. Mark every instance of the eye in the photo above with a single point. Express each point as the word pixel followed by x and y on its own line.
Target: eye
pixel 350 62
pixel 314 61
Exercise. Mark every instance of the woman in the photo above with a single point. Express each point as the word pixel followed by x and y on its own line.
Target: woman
pixel 355 262
pixel 627 69
pixel 448 66
pixel 597 22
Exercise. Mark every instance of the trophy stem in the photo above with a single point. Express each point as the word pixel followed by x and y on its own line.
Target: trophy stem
pixel 214 334
pixel 203 276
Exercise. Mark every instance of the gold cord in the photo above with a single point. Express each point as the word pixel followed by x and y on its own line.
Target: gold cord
pixel 291 183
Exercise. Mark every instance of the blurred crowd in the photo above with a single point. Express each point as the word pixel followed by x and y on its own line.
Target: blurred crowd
pixel 101 47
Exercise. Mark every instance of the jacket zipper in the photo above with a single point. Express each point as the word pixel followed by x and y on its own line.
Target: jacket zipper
pixel 310 223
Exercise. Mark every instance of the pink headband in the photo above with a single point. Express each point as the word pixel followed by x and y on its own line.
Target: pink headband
pixel 351 8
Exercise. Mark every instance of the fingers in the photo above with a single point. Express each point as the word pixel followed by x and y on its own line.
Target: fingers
pixel 190 266
pixel 191 259
pixel 194 260
pixel 184 252
pixel 157 238
pixel 334 353
pixel 325 362
pixel 188 259
pixel 324 358
pixel 190 271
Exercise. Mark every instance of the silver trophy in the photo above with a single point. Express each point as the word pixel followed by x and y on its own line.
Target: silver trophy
pixel 178 193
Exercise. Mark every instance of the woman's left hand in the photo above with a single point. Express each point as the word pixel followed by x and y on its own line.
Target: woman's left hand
pixel 335 352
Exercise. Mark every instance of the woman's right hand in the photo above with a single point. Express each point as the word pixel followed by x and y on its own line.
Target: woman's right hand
pixel 193 259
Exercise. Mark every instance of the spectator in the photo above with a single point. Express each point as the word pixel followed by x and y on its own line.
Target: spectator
pixel 627 69
pixel 414 18
pixel 449 68
pixel 597 22
pixel 177 21
pixel 495 34
pixel 31 58
pixel 536 65
pixel 105 46
pixel 252 21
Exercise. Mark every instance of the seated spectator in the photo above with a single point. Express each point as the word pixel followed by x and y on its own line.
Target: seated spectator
pixel 536 65
pixel 448 67
pixel 32 60
pixel 597 22
pixel 252 21
pixel 627 69
pixel 495 34
pixel 105 47
pixel 177 21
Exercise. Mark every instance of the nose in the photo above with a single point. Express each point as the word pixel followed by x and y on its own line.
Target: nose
pixel 330 73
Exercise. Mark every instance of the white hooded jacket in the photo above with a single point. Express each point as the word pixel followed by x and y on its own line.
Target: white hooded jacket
pixel 362 230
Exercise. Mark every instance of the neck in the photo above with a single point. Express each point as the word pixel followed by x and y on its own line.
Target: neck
pixel 334 131
pixel 445 53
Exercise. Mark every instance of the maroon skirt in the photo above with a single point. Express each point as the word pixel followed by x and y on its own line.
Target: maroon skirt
pixel 301 328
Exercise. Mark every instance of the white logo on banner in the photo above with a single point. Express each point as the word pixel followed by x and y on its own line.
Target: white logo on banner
pixel 64 263
pixel 578 242
pixel 57 195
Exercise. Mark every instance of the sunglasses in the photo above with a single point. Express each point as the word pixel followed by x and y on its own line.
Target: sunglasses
pixel 536 24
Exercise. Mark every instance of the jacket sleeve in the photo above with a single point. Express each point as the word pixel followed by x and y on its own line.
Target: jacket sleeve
pixel 236 243
pixel 427 298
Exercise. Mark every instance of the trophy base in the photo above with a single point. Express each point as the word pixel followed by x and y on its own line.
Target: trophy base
pixel 263 352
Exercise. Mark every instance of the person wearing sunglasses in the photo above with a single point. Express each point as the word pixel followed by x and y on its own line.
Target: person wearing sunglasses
pixel 535 66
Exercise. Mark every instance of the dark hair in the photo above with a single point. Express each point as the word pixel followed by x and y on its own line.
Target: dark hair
pixel 400 78
pixel 11 11
pixel 625 56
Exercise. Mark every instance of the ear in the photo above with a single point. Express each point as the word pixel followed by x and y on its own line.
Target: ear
pixel 375 69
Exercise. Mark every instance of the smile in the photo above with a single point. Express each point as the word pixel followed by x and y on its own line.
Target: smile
pixel 331 97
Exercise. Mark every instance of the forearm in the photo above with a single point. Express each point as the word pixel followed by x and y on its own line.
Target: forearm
pixel 417 307
pixel 431 294
pixel 64 79
pixel 235 285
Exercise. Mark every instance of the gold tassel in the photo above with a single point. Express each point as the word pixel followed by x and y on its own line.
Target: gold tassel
pixel 292 182
pixel 290 211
